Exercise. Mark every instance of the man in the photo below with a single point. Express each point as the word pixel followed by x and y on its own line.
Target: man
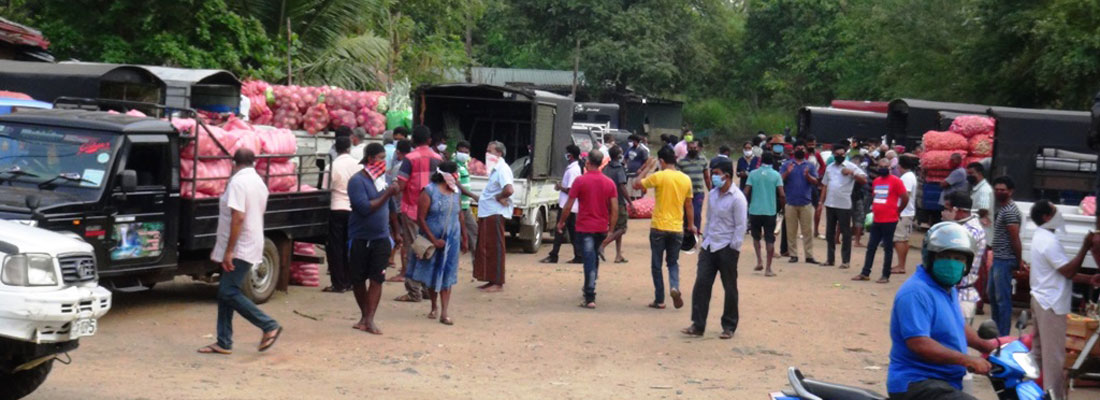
pixel 745 164
pixel 695 167
pixel 722 157
pixel 341 131
pixel 415 173
pixel 764 191
pixel 617 173
pixel 956 180
pixel 636 155
pixel 358 143
pixel 814 157
pixel 1006 252
pixel 906 165
pixel 399 134
pixel 727 217
pixel 240 246
pixel 1052 278
pixel 462 158
pixel 599 210
pixel 799 180
pixel 370 231
pixel 957 208
pixel 336 251
pixel 572 171
pixel 493 207
pixel 929 337
pixel 673 202
pixel 681 147
pixel 840 178
pixel 888 198
pixel 981 195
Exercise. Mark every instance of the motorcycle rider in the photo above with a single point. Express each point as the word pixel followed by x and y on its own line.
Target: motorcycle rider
pixel 928 357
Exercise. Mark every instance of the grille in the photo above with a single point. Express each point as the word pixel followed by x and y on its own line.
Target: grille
pixel 77 268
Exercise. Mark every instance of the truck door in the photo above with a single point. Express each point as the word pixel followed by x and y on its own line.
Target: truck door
pixel 142 232
pixel 544 140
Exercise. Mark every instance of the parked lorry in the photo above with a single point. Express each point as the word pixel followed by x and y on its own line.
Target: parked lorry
pixel 49 299
pixel 114 181
pixel 831 125
pixel 535 126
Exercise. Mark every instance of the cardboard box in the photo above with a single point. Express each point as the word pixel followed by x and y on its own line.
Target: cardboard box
pixel 1080 326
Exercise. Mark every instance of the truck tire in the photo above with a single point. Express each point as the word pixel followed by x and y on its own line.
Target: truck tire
pixel 260 283
pixel 531 246
pixel 22 383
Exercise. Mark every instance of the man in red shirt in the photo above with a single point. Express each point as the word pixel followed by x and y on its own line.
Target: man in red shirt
pixel 413 174
pixel 598 210
pixel 889 197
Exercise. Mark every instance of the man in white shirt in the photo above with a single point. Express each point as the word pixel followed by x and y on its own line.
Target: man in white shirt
pixel 336 251
pixel 572 156
pixel 906 165
pixel 240 246
pixel 1052 277
pixel 493 206
pixel 358 143
pixel 841 176
pixel 981 193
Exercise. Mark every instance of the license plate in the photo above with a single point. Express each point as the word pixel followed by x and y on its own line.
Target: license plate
pixel 84 327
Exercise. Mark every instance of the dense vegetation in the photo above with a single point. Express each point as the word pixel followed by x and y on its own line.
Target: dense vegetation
pixel 740 65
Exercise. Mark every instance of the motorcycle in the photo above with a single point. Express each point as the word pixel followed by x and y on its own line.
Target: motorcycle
pixel 1013 374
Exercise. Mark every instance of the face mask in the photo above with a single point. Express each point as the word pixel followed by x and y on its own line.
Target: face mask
pixel 799 154
pixel 972 179
pixel 862 152
pixel 875 154
pixel 882 171
pixel 1056 223
pixel 1001 198
pixel 441 147
pixel 462 158
pixel 777 149
pixel 567 159
pixel 748 153
pixel 688 138
pixel 947 272
pixel 717 181
pixel 693 153
pixel 838 159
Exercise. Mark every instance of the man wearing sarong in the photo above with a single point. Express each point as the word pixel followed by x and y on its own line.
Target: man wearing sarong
pixel 493 207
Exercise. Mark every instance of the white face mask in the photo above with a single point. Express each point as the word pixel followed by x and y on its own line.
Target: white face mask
pixel 1056 223
pixel 441 147
pixel 748 153
pixel 462 157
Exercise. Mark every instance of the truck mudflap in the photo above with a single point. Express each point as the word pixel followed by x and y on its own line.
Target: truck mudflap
pixel 52 316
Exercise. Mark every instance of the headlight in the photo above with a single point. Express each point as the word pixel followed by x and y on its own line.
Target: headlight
pixel 1026 363
pixel 29 270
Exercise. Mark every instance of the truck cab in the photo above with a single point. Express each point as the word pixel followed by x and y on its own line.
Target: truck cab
pixel 49 299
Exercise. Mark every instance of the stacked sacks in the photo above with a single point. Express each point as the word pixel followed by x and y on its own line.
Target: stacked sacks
pixel 970 136
pixel 279 172
pixel 305 274
pixel 315 108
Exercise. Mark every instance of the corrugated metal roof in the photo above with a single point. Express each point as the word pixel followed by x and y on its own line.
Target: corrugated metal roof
pixel 507 76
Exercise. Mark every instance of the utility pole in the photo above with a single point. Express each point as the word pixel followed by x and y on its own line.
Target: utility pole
pixel 289 42
pixel 576 66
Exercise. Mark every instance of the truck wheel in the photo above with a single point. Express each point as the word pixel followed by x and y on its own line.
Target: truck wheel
pixel 531 246
pixel 22 383
pixel 259 285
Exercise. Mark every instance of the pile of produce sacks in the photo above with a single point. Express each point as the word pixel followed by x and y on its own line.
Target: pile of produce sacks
pixel 278 172
pixel 315 108
pixel 305 274
pixel 970 136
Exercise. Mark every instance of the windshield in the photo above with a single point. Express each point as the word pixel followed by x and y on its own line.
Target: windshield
pixel 62 164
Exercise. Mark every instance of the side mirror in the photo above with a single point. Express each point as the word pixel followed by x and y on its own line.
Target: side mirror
pixel 988 330
pixel 1024 319
pixel 127 180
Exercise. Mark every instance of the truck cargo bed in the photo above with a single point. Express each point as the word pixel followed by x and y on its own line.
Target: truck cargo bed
pixel 301 215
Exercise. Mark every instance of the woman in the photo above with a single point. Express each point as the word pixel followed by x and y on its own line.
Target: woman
pixel 441 222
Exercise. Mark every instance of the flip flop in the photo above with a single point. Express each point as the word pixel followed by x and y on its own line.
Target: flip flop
pixel 883 280
pixel 405 299
pixel 446 321
pixel 621 261
pixel 657 306
pixel 269 341
pixel 896 271
pixel 860 277
pixel 758 268
pixel 726 335
pixel 214 349
pixel 769 274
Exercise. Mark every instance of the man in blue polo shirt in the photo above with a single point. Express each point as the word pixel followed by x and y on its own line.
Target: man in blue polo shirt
pixel 928 357
pixel 799 179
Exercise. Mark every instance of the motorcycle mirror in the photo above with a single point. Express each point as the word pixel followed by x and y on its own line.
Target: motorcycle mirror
pixel 988 330
pixel 1024 319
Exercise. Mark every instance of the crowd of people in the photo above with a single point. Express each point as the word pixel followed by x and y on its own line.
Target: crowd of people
pixel 409 200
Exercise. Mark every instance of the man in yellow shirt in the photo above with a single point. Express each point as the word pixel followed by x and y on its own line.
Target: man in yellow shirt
pixel 673 201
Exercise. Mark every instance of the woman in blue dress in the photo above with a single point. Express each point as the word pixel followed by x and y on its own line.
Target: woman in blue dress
pixel 440 220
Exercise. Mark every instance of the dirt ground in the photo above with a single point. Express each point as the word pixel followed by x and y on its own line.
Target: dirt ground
pixel 530 341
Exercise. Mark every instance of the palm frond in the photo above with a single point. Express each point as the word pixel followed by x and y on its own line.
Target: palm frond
pixel 355 62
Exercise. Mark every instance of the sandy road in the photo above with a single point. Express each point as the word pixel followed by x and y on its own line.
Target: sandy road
pixel 530 341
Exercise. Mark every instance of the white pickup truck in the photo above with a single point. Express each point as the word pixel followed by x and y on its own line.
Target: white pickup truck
pixel 536 202
pixel 49 299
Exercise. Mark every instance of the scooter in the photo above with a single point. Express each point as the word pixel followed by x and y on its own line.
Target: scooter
pixel 1013 374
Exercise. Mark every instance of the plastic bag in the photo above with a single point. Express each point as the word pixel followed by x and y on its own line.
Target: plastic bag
pixel 936 140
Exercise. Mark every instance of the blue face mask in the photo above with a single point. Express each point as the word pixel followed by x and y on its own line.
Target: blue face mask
pixel 948 272
pixel 717 181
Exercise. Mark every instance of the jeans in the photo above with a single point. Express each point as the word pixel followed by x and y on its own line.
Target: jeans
pixel 230 299
pixel 697 205
pixel 1000 291
pixel 590 246
pixel 559 238
pixel 931 389
pixel 799 218
pixel 724 263
pixel 834 218
pixel 666 244
pixel 882 233
pixel 337 249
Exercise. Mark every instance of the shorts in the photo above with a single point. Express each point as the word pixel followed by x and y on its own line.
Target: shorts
pixel 905 228
pixel 765 223
pixel 369 259
pixel 859 214
pixel 815 196
pixel 624 215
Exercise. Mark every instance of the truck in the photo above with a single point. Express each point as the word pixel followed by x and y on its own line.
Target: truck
pixel 49 300
pixel 830 125
pixel 535 126
pixel 114 181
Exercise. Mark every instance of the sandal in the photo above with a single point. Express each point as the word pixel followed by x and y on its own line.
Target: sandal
pixel 446 321
pixel 883 280
pixel 657 306
pixel 621 261
pixel 758 268
pixel 406 299
pixel 214 349
pixel 769 274
pixel 897 271
pixel 726 335
pixel 691 331
pixel 591 305
pixel 860 277
pixel 269 341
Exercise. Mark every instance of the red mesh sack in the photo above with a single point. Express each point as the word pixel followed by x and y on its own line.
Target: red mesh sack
pixel 938 159
pixel 981 146
pixel 642 208
pixel 973 125
pixel 1088 206
pixel 205 169
pixel 278 175
pixel 936 140
pixel 277 142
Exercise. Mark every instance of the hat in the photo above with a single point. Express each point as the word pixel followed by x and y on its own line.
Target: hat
pixel 690 244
